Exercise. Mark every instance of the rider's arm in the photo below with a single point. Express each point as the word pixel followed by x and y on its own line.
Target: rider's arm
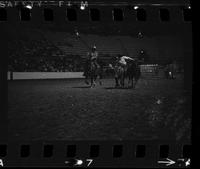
pixel 129 58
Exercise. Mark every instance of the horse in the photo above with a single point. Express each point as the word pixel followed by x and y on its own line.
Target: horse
pixel 133 72
pixel 93 72
pixel 119 75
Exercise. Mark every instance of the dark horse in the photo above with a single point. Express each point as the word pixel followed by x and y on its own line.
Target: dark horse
pixel 93 72
pixel 133 72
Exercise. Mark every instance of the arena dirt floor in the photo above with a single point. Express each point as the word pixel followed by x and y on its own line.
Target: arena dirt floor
pixel 69 110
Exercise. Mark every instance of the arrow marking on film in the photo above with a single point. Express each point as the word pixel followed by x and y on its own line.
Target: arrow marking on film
pixel 168 162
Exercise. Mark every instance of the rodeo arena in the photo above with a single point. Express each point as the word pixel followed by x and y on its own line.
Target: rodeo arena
pixel 117 75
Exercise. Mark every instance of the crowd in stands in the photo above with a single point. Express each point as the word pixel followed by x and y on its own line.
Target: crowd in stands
pixel 34 52
pixel 28 55
pixel 24 64
pixel 41 55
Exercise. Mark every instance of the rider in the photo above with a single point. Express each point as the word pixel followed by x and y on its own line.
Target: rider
pixel 121 60
pixel 93 56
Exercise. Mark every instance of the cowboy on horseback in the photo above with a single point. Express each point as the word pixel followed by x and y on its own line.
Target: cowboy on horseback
pixel 92 68
pixel 91 59
pixel 93 56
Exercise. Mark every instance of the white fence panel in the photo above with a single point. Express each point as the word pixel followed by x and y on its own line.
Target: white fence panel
pixel 44 75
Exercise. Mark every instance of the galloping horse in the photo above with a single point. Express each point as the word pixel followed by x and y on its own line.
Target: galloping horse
pixel 93 72
pixel 133 72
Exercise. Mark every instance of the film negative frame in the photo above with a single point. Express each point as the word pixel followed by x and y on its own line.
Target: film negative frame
pixel 121 154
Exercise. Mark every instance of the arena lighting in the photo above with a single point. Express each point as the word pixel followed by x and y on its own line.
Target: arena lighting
pixel 140 35
pixel 29 6
pixel 69 4
pixel 82 7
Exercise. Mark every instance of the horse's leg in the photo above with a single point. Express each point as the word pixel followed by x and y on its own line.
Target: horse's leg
pixel 92 81
pixel 116 79
pixel 100 77
pixel 100 82
pixel 119 81
pixel 86 80
pixel 135 83
pixel 116 82
pixel 96 76
pixel 131 82
pixel 122 81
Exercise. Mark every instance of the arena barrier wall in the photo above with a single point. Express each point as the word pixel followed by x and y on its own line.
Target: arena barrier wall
pixel 43 75
pixel 64 75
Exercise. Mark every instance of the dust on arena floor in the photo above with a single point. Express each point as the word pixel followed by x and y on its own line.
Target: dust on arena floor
pixel 68 110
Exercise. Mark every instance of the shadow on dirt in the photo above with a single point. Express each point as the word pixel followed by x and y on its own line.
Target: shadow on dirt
pixel 81 87
pixel 117 88
pixel 107 88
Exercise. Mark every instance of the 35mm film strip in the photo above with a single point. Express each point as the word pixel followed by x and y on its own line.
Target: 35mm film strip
pixel 93 13
pixel 96 83
pixel 99 154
